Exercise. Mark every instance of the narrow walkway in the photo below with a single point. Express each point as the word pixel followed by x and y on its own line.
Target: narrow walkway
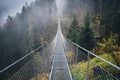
pixel 60 69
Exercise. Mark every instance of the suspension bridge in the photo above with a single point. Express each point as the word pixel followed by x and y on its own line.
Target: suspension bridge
pixel 50 60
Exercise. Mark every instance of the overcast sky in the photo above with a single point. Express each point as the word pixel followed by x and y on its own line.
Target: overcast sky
pixel 11 7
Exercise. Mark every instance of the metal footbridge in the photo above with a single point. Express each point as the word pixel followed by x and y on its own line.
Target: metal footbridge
pixel 50 62
pixel 60 68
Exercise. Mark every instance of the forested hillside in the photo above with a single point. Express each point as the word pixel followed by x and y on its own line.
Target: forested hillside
pixel 96 30
pixel 92 24
pixel 103 23
pixel 29 29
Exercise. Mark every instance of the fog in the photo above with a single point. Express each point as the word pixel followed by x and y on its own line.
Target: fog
pixel 61 4
pixel 11 7
pixel 59 8
pixel 75 7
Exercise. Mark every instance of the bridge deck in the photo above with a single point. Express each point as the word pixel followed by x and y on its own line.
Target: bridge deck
pixel 60 68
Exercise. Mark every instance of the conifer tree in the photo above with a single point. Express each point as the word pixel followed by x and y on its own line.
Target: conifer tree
pixel 73 33
pixel 86 35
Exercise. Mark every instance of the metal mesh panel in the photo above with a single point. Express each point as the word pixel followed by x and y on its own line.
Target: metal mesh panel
pixel 60 69
pixel 95 67
pixel 25 73
pixel 36 63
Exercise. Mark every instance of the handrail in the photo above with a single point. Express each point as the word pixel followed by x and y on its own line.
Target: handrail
pixel 52 68
pixel 52 64
pixel 66 59
pixel 20 69
pixel 94 55
pixel 1 71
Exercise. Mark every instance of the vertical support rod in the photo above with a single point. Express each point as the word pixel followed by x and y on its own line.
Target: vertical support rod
pixel 87 67
pixel 33 59
pixel 76 54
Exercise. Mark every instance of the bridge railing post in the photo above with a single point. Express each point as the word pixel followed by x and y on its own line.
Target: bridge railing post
pixel 87 67
pixel 76 55
pixel 34 67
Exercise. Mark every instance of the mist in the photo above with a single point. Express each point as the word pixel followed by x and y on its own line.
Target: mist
pixel 70 8
pixel 11 8
pixel 44 12
pixel 61 4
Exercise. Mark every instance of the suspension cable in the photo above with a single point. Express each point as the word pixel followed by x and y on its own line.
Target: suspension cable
pixel 1 71
pixel 94 55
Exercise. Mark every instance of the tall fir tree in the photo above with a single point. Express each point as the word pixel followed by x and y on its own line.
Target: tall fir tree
pixel 73 33
pixel 87 39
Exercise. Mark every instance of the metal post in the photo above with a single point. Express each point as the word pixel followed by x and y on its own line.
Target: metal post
pixel 87 67
pixel 33 59
pixel 76 54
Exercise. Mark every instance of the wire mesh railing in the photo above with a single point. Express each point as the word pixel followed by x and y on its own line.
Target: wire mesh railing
pixel 33 66
pixel 60 68
pixel 37 64
pixel 89 66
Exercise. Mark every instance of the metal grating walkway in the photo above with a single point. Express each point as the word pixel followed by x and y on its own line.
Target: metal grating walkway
pixel 60 69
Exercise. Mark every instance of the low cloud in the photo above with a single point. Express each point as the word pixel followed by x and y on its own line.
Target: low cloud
pixel 11 7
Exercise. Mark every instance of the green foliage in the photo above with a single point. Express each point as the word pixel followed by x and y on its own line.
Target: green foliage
pixel 22 33
pixel 87 39
pixel 109 46
pixel 73 33
pixel 79 70
pixel 108 19
pixel 82 35
pixel 111 23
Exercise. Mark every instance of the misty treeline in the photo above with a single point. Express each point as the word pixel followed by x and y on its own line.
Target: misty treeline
pixel 26 31
pixel 35 25
pixel 95 26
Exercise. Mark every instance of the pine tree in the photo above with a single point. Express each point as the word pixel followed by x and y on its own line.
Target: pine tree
pixel 73 33
pixel 86 35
